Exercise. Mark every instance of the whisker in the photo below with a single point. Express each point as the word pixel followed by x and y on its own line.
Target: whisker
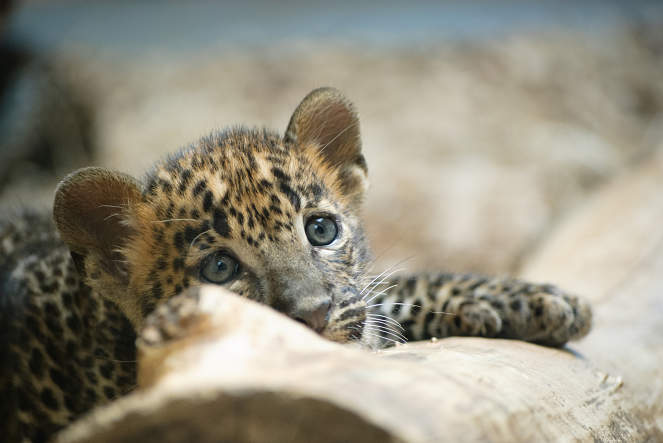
pixel 387 318
pixel 384 291
pixel 390 268
pixel 378 276
pixel 381 254
pixel 114 214
pixel 112 206
pixel 174 219
pixel 409 304
pixel 386 330
pixel 382 281
pixel 347 128
pixel 98 357
pixel 382 337
pixel 385 322
pixel 384 272
pixel 196 238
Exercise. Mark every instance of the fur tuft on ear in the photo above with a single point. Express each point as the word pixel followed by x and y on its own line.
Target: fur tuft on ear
pixel 326 119
pixel 90 210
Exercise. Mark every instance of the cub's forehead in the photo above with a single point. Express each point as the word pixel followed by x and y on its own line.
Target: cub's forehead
pixel 239 180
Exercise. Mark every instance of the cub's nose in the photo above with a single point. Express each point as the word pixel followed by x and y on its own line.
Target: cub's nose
pixel 315 317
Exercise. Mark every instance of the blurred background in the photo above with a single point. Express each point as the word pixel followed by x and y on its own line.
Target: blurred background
pixel 483 122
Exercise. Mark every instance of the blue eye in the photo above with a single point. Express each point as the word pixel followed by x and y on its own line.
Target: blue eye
pixel 321 231
pixel 219 268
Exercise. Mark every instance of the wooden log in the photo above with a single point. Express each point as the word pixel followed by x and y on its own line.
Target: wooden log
pixel 611 251
pixel 214 367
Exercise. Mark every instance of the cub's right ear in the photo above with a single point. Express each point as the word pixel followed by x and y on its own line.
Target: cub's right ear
pixel 92 209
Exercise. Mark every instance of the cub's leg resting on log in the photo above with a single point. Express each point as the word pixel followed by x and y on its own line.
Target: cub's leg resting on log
pixel 443 304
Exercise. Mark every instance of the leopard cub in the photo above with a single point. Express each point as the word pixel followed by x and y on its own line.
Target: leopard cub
pixel 272 218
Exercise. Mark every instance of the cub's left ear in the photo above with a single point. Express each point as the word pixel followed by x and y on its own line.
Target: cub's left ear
pixel 327 120
pixel 90 210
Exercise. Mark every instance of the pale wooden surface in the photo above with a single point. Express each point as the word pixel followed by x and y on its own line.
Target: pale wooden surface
pixel 240 372
pixel 612 252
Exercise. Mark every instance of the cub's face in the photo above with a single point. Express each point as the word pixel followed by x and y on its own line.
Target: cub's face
pixel 274 219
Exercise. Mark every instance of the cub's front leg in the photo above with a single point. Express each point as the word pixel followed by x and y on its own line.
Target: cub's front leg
pixel 441 305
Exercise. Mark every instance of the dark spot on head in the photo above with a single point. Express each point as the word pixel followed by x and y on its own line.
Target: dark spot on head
pixel 208 199
pixel 158 234
pixel 178 241
pixel 185 178
pixel 157 291
pixel 220 223
pixel 166 187
pixel 200 187
pixel 161 264
pixel 178 264
pixel 279 174
pixel 190 234
pixel 316 190
pixel 152 186
pixel 291 195
pixel 146 307
pixel 170 210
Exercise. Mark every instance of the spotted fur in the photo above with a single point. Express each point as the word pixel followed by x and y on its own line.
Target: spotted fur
pixel 441 305
pixel 73 297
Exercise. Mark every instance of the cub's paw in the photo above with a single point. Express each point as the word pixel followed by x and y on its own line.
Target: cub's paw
pixel 474 318
pixel 171 320
pixel 548 316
